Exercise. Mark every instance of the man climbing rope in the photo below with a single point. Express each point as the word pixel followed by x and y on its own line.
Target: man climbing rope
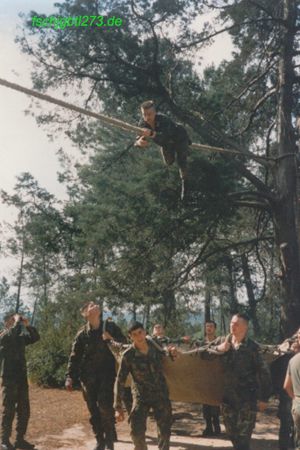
pixel 172 138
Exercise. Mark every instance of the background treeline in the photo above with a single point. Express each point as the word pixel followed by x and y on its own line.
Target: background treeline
pixel 123 237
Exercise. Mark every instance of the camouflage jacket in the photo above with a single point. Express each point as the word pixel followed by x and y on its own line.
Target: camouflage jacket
pixel 148 381
pixel 246 373
pixel 91 358
pixel 167 131
pixel 13 341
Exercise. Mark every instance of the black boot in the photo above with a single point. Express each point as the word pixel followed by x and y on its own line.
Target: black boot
pixel 100 446
pixel 115 436
pixel 208 430
pixel 6 445
pixel 100 442
pixel 22 444
pixel 110 446
pixel 217 428
pixel 110 438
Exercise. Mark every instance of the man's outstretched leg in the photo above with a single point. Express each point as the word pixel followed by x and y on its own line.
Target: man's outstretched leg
pixel 182 153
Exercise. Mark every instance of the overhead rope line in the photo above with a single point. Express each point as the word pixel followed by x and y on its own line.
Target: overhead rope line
pixel 119 123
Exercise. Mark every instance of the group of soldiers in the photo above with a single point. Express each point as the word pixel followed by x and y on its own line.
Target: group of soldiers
pixel 247 381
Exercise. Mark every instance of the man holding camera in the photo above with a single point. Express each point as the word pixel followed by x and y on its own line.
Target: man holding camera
pixel 15 398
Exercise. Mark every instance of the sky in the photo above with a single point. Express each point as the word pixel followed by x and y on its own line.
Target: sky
pixel 25 147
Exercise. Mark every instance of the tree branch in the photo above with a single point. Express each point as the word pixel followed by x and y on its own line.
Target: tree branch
pixel 223 30
pixel 182 276
pixel 258 104
pixel 249 204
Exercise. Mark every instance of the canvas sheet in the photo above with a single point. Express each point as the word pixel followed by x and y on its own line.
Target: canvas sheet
pixel 195 378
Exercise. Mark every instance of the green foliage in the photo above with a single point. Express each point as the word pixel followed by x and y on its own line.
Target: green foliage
pixel 57 323
pixel 47 360
pixel 7 299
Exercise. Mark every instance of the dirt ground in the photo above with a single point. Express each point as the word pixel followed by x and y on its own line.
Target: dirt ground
pixel 59 421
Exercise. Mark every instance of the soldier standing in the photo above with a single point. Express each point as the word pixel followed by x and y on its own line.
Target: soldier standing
pixel 247 382
pixel 143 360
pixel 211 413
pixel 15 397
pixel 93 364
pixel 170 136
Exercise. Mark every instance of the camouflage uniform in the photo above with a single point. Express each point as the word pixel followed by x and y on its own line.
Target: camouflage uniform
pixel 211 413
pixel 246 379
pixel 92 362
pixel 149 390
pixel 13 371
pixel 293 371
pixel 286 428
pixel 173 140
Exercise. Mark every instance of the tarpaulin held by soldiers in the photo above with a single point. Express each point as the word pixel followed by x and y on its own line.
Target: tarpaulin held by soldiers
pixel 196 376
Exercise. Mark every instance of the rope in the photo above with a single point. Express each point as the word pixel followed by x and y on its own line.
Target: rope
pixel 108 120
pixel 116 122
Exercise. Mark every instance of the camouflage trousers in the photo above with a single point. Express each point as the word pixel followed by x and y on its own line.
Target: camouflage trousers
pixel 211 412
pixel 15 400
pixel 180 150
pixel 98 395
pixel 239 423
pixel 286 429
pixel 127 399
pixel 296 419
pixel 211 415
pixel 163 415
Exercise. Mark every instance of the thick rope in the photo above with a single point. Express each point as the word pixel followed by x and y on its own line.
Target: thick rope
pixel 108 120
pixel 116 122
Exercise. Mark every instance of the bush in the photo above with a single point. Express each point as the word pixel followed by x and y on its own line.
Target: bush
pixel 47 359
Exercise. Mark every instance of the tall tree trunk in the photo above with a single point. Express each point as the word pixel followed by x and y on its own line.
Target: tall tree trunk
pixel 285 208
pixel 45 282
pixel 34 311
pixel 222 316
pixel 207 304
pixel 147 314
pixel 250 293
pixel 20 274
pixel 233 303
pixel 134 312
pixel 169 304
